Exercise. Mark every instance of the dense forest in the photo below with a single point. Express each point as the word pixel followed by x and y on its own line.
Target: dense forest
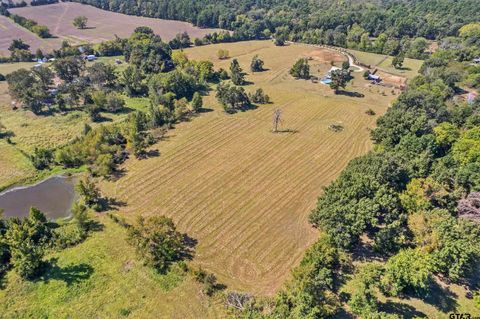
pixel 340 23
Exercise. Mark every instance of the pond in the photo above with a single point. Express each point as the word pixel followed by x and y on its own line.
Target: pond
pixel 53 196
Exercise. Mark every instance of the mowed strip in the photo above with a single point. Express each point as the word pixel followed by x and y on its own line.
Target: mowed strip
pixel 102 25
pixel 242 191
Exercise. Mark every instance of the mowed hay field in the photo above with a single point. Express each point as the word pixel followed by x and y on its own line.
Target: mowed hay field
pixel 102 25
pixel 242 191
pixel 9 31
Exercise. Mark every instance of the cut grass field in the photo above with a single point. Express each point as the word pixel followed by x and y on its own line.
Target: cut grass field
pixel 243 192
pixel 9 31
pixel 102 25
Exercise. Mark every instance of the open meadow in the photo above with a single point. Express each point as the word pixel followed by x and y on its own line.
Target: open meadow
pixel 102 25
pixel 9 31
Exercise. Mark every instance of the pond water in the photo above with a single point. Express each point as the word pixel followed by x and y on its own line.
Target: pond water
pixel 53 196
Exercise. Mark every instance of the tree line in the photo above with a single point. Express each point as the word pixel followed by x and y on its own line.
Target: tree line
pixel 350 24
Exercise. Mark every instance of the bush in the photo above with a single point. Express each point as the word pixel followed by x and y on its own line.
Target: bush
pixel 115 103
pixel 156 241
pixel 223 54
pixel 68 235
pixel 41 158
pixel 259 97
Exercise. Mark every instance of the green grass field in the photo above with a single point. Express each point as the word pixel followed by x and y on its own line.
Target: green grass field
pixel 101 278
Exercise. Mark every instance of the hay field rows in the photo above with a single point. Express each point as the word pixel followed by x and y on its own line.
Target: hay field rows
pixel 9 31
pixel 102 25
pixel 243 192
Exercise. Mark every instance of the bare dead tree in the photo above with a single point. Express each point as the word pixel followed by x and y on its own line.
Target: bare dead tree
pixel 277 119
pixel 238 300
pixel 469 207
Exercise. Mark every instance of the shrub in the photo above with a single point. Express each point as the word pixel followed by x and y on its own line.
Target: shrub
pixel 156 241
pixel 409 270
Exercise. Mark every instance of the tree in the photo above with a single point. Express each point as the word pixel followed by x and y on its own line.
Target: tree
pixel 132 81
pixel 80 22
pixel 69 68
pixel 89 193
pixel 339 79
pixel 26 87
pixel 410 269
pixel 397 60
pixel 102 75
pixel 27 240
pixel 277 119
pixel 301 69
pixel 41 158
pixel 181 40
pixel 197 102
pixel 156 241
pixel 80 216
pixel 257 64
pixel 232 97
pixel 223 54
pixel 236 73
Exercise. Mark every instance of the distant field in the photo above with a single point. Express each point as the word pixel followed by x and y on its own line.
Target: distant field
pixel 384 62
pixel 243 192
pixel 102 25
pixel 9 30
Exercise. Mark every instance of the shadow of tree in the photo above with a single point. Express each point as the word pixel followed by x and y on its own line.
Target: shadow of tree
pixel 404 310
pixel 189 247
pixel 71 275
pixel 439 297
pixel 350 94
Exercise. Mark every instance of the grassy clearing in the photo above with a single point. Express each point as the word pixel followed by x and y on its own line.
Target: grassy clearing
pixel 384 62
pixel 49 131
pixel 101 278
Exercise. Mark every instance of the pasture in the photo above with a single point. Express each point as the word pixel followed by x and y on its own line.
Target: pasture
pixel 102 25
pixel 9 31
pixel 242 192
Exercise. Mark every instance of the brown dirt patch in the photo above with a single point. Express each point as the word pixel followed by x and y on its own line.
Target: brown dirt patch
pixel 326 55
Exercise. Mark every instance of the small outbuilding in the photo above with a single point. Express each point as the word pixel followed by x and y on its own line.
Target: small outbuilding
pixel 91 57
pixel 476 60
